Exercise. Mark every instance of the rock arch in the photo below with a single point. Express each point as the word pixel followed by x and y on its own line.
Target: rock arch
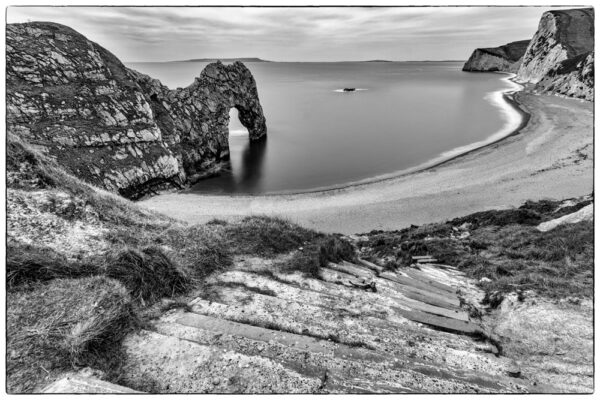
pixel 114 127
pixel 197 117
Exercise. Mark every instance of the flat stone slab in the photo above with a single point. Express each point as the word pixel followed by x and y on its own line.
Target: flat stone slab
pixel 371 265
pixel 429 280
pixel 218 325
pixel 85 385
pixel 416 290
pixel 351 269
pixel 450 324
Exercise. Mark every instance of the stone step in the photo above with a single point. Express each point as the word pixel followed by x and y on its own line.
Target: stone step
pixel 419 291
pixel 174 365
pixel 371 265
pixel 406 297
pixel 428 279
pixel 351 269
pixel 371 307
pixel 323 349
pixel 403 278
pixel 346 369
pixel 450 324
pixel 218 325
pixel 279 314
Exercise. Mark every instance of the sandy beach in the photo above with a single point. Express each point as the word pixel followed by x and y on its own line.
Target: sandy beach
pixel 551 157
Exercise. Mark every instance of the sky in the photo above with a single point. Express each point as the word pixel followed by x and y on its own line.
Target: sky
pixel 292 34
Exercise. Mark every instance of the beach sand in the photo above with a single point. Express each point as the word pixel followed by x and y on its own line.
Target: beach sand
pixel 551 157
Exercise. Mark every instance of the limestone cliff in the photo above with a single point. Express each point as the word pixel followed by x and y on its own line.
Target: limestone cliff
pixel 503 58
pixel 114 127
pixel 573 77
pixel 561 35
pixel 559 59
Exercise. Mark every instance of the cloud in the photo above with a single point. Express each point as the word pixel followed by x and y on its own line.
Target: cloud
pixel 291 34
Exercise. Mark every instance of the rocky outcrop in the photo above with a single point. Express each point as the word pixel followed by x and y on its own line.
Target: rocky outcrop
pixel 558 60
pixel 561 35
pixel 503 58
pixel 114 127
pixel 572 78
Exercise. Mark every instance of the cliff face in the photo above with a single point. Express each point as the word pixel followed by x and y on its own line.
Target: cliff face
pixel 561 35
pixel 573 77
pixel 503 58
pixel 114 127
pixel 558 60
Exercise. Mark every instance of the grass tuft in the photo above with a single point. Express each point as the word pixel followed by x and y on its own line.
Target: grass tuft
pixel 148 273
pixel 266 236
pixel 58 324
pixel 28 263
pixel 318 254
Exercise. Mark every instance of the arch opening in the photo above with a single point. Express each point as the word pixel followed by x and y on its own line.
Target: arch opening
pixel 246 156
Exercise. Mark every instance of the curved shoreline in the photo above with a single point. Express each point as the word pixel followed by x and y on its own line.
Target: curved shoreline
pixel 551 157
pixel 507 96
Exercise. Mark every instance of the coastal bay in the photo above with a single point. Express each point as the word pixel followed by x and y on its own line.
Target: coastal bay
pixel 551 157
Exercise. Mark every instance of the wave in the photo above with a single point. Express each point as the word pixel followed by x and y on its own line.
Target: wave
pixel 512 119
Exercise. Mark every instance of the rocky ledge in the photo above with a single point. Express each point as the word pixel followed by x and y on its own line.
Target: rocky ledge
pixel 503 58
pixel 559 58
pixel 112 126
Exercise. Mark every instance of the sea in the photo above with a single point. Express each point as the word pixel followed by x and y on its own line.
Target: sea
pixel 402 117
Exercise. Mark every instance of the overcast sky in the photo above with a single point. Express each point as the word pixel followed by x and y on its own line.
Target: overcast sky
pixel 292 34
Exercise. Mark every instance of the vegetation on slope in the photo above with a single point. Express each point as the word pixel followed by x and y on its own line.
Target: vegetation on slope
pixel 502 249
pixel 84 266
pixel 69 304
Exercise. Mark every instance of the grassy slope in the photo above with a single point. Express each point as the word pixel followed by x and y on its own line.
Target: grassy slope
pixel 503 246
pixel 68 305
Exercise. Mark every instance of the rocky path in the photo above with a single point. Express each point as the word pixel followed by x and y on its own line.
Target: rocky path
pixel 259 329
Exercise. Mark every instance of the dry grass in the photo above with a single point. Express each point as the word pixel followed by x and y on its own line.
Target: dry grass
pixel 27 263
pixel 505 247
pixel 55 326
pixel 317 254
pixel 147 273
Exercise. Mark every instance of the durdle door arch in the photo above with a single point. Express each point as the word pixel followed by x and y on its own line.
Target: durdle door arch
pixel 115 127
pixel 198 115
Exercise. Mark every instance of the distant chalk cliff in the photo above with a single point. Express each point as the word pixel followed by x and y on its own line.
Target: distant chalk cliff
pixel 503 58
pixel 559 58
pixel 114 127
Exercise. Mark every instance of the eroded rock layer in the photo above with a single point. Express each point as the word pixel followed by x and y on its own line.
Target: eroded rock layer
pixel 573 78
pixel 561 35
pixel 114 127
pixel 558 60
pixel 503 58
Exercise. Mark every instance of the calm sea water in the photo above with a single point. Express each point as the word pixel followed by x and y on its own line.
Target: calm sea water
pixel 407 115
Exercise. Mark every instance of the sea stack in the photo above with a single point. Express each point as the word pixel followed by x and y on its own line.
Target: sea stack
pixel 114 127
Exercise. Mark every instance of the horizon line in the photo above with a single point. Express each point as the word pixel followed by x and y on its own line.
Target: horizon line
pixel 287 61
